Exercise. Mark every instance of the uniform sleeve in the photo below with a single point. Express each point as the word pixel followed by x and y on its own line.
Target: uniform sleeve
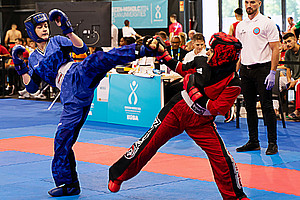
pixel 273 33
pixel 224 102
pixel 34 82
pixel 64 41
pixel 287 58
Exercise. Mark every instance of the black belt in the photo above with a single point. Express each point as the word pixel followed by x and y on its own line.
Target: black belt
pixel 257 65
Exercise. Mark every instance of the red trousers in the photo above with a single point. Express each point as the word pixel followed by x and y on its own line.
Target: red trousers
pixel 172 120
pixel 297 96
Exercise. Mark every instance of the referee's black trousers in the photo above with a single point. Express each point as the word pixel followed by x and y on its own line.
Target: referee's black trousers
pixel 252 84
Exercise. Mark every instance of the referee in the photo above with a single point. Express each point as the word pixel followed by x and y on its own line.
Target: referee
pixel 258 62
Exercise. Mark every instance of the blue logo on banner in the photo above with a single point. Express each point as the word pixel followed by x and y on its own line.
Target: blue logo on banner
pixel 133 87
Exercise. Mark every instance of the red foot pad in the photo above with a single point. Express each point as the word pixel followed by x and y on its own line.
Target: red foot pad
pixel 114 186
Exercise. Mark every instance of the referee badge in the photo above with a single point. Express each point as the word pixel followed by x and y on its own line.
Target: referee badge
pixel 256 31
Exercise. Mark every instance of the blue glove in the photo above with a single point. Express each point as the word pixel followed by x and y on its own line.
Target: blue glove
pixel 19 63
pixel 270 80
pixel 59 15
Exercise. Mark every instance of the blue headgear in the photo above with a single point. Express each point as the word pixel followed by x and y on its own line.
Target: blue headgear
pixel 32 21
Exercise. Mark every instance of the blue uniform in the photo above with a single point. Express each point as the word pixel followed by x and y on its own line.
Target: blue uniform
pixel 77 91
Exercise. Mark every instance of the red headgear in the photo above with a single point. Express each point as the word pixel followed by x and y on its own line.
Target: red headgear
pixel 226 49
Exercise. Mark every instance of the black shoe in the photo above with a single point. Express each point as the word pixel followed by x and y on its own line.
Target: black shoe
pixel 249 146
pixel 65 190
pixel 272 149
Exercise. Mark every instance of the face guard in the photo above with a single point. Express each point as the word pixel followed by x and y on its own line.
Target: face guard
pixel 226 49
pixel 32 21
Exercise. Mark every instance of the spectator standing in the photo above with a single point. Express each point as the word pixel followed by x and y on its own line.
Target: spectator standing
pixel 290 26
pixel 12 35
pixel 114 36
pixel 129 31
pixel 175 28
pixel 293 70
pixel 258 62
pixel 239 17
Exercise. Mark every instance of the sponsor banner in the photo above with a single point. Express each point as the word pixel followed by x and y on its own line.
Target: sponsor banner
pixel 141 14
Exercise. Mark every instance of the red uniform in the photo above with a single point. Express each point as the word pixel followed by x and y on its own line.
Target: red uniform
pixel 208 91
pixel 175 28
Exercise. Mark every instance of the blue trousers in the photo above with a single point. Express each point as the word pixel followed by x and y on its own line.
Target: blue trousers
pixel 77 93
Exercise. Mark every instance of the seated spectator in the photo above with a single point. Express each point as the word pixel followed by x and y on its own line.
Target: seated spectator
pixel 30 45
pixel 282 79
pixel 126 41
pixel 191 33
pixel 199 48
pixel 183 38
pixel 175 50
pixel 293 70
pixel 13 78
pixel 189 43
pixel 4 51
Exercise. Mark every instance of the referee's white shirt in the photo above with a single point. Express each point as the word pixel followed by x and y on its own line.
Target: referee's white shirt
pixel 255 36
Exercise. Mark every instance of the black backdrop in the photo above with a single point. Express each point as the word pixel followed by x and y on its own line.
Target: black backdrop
pixel 91 20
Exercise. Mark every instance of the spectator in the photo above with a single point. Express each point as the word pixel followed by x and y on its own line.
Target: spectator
pixel 13 78
pixel 183 38
pixel 4 51
pixel 30 46
pixel 175 50
pixel 175 28
pixel 239 17
pixel 189 43
pixel 199 50
pixel 12 35
pixel 293 70
pixel 114 36
pixel 164 37
pixel 191 33
pixel 258 62
pixel 290 26
pixel 123 41
pixel 295 30
pixel 129 31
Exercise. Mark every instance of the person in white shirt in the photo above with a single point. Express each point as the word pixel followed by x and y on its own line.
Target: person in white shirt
pixel 129 31
pixel 258 63
pixel 198 41
pixel 114 36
